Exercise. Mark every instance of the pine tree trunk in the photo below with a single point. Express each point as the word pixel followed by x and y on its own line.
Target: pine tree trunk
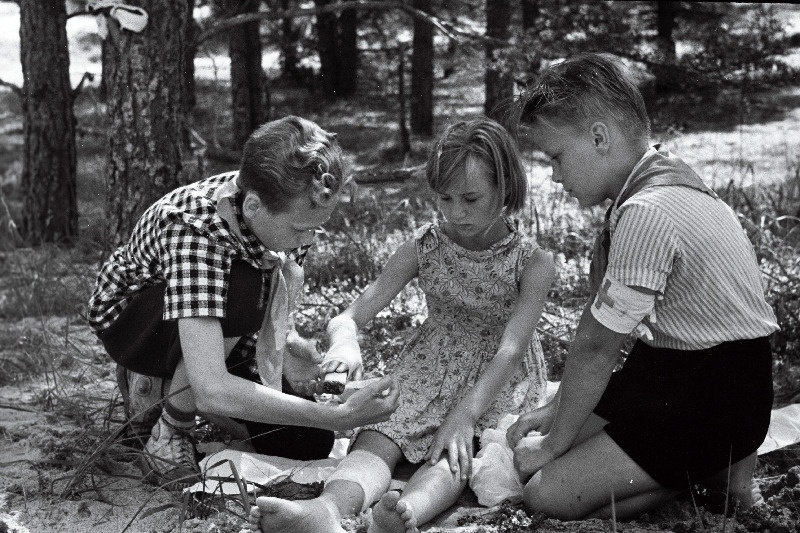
pixel 290 63
pixel 247 76
pixel 147 120
pixel 348 52
pixel 498 81
pixel 326 49
pixel 422 74
pixel 188 92
pixel 49 159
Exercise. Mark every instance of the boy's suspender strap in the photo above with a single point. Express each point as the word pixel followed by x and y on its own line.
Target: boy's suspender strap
pixel 663 169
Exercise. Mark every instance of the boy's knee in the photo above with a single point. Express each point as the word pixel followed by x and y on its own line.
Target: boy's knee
pixel 542 496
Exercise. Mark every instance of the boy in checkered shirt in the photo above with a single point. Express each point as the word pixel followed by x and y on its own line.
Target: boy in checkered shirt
pixel 206 286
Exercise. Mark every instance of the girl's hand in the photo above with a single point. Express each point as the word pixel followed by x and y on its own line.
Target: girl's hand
pixel 531 454
pixel 456 436
pixel 537 420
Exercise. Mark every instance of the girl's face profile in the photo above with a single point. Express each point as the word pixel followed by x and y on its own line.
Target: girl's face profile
pixel 472 203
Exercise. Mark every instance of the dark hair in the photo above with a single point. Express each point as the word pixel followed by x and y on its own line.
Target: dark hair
pixel 487 141
pixel 284 158
pixel 585 86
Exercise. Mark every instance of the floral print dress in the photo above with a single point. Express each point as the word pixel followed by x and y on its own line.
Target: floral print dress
pixel 470 296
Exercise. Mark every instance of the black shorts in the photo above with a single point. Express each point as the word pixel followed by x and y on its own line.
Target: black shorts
pixel 684 416
pixel 142 341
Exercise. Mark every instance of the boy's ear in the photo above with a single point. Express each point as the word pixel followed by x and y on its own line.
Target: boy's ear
pixel 251 204
pixel 600 136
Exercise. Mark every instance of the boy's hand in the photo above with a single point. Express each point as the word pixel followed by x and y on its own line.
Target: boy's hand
pixel 537 420
pixel 455 436
pixel 531 454
pixel 340 360
pixel 374 403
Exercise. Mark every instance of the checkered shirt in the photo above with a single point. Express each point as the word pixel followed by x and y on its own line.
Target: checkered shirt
pixel 180 240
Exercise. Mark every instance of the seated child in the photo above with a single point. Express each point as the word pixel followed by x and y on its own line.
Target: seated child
pixel 475 358
pixel 694 396
pixel 206 285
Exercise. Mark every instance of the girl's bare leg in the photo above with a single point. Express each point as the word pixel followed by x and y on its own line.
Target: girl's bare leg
pixel 430 491
pixel 339 498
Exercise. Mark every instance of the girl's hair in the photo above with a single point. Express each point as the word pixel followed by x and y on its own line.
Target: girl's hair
pixel 286 157
pixel 488 141
pixel 586 86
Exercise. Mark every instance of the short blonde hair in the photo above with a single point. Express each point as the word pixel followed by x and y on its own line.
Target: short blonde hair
pixel 290 156
pixel 485 140
pixel 585 86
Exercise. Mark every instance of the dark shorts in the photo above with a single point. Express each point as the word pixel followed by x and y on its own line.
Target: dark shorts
pixel 684 416
pixel 142 341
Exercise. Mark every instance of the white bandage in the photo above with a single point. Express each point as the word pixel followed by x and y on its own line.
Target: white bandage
pixel 366 470
pixel 622 309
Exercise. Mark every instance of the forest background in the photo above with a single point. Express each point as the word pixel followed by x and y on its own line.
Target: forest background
pixel 93 130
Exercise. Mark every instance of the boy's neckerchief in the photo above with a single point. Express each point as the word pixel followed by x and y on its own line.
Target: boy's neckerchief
pixel 286 286
pixel 657 168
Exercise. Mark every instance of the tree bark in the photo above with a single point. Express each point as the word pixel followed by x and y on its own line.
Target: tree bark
pixel 422 74
pixel 48 179
pixel 248 81
pixel 188 92
pixel 146 113
pixel 326 48
pixel 498 81
pixel 290 64
pixel 348 52
pixel 531 10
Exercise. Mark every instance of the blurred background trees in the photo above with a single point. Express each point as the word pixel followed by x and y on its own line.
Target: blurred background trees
pixel 335 51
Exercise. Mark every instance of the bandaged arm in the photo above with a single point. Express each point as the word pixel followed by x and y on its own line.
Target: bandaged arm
pixel 622 309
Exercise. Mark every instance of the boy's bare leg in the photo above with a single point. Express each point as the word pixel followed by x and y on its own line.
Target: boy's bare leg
pixel 582 481
pixel 180 394
pixel 741 487
pixel 430 491
pixel 339 498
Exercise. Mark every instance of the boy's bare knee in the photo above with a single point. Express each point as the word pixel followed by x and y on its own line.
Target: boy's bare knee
pixel 542 496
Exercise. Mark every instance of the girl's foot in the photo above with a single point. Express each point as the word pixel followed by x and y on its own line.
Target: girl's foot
pixel 392 515
pixel 274 515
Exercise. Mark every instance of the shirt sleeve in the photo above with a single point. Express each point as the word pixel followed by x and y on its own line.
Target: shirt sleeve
pixel 196 270
pixel 644 247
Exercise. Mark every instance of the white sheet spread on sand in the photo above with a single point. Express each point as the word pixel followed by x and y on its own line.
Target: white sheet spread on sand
pixel 493 477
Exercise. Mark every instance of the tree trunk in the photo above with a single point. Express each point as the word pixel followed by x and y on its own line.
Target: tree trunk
pixel 665 59
pixel 326 48
pixel 530 14
pixel 665 22
pixel 146 113
pixel 498 81
pixel 290 63
pixel 422 74
pixel 348 52
pixel 247 76
pixel 49 160
pixel 190 50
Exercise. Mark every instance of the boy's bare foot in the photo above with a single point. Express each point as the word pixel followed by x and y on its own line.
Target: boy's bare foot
pixel 274 515
pixel 392 515
pixel 740 484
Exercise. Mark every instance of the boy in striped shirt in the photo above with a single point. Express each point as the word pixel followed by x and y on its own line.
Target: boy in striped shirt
pixel 673 266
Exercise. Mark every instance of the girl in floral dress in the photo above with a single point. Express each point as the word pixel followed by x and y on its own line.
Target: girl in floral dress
pixel 474 358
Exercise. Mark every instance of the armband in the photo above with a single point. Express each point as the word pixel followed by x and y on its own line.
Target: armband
pixel 621 308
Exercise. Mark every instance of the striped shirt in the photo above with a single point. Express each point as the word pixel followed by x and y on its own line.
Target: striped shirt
pixel 690 248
